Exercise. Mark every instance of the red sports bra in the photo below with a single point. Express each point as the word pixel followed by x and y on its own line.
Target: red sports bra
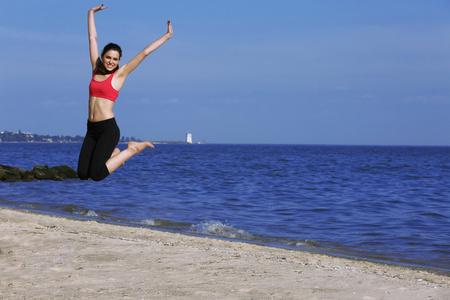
pixel 103 89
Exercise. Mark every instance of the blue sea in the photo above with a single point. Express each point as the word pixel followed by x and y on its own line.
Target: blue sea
pixel 378 203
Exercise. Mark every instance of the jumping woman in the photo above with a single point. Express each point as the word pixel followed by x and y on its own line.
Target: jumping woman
pixel 99 156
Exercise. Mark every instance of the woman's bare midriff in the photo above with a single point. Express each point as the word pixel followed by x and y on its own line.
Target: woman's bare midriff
pixel 100 109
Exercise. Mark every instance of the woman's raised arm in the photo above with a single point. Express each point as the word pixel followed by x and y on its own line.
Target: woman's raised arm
pixel 93 46
pixel 132 64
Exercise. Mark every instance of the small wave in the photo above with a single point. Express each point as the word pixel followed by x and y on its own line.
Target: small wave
pixel 431 214
pixel 148 222
pixel 91 213
pixel 78 210
pixel 217 228
pixel 165 224
pixel 86 212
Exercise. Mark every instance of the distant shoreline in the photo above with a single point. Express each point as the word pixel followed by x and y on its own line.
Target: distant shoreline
pixel 76 142
pixel 27 137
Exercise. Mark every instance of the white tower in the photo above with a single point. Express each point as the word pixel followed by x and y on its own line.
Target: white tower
pixel 188 137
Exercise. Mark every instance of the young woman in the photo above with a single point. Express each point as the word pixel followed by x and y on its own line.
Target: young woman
pixel 99 156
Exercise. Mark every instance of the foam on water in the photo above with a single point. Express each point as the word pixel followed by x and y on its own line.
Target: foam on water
pixel 91 214
pixel 217 228
pixel 149 222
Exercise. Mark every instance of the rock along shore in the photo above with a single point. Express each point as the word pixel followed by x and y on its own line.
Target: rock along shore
pixel 58 173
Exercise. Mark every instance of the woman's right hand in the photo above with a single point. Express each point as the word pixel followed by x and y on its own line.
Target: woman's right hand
pixel 98 8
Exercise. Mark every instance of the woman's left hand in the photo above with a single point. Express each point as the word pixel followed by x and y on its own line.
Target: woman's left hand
pixel 169 29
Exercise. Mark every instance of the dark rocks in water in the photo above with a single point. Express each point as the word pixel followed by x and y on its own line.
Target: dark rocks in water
pixel 10 173
pixel 63 172
pixel 58 173
pixel 42 172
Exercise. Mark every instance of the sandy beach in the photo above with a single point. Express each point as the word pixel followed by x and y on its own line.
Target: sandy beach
pixel 49 257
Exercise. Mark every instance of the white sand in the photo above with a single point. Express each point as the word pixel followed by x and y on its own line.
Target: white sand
pixel 48 257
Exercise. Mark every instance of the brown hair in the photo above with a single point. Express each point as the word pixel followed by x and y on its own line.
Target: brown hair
pixel 99 67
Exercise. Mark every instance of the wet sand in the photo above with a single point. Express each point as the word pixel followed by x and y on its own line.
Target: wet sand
pixel 49 257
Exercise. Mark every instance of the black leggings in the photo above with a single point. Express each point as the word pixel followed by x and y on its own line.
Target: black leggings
pixel 98 145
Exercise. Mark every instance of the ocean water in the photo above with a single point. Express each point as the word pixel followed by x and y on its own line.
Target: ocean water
pixel 379 203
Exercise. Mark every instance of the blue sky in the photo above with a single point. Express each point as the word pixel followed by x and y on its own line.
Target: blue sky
pixel 254 71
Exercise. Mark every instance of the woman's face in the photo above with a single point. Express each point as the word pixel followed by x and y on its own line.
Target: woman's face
pixel 111 59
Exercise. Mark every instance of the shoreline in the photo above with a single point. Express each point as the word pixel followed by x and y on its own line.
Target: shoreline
pixel 48 256
pixel 382 261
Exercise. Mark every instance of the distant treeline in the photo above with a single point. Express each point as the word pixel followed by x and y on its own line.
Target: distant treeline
pixel 6 136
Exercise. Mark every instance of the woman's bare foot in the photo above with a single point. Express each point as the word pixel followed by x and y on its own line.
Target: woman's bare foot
pixel 138 147
pixel 119 159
